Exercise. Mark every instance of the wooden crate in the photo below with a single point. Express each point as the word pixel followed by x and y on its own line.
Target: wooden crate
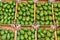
pixel 49 28
pixel 14 13
pixel 9 28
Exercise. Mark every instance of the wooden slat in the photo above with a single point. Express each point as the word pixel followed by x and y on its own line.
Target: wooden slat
pixel 53 13
pixel 34 12
pixel 43 0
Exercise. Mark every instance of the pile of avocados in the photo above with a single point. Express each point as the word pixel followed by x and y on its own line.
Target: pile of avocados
pixel 58 33
pixel 44 34
pixel 6 34
pixel 44 13
pixel 26 34
pixel 7 10
pixel 25 14
pixel 57 12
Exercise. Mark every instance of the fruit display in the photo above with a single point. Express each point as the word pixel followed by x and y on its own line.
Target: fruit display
pixel 26 34
pixel 7 10
pixel 57 12
pixel 6 34
pixel 44 13
pixel 44 34
pixel 58 33
pixel 25 14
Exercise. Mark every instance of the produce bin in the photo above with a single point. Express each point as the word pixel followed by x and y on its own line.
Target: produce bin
pixel 45 33
pixel 7 33
pixel 25 13
pixel 26 33
pixel 7 12
pixel 44 15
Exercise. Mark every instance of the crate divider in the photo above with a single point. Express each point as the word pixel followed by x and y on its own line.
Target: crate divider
pixel 34 12
pixel 53 13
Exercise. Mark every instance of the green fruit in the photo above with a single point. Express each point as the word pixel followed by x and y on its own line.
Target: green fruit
pixel 58 38
pixel 42 18
pixel 28 18
pixel 56 14
pixel 49 3
pixel 2 32
pixel 23 19
pixel 22 37
pixel 17 21
pixel 28 13
pixel 33 36
pixel 55 4
pixel 19 8
pixel 51 31
pixel 58 33
pixel 32 6
pixel 41 13
pixel 1 3
pixel 38 4
pixel 10 10
pixel 18 38
pixel 37 22
pixel 50 18
pixel 49 7
pixel 40 8
pixel 25 36
pixel 31 11
pixel 20 5
pixel 29 38
pixel 57 22
pixel 42 35
pixel 24 3
pixel 8 6
pixel 56 9
pixel 12 35
pixel 46 18
pixel 47 38
pixel 39 36
pixel 26 23
pixel 40 30
pixel 45 13
pixel 42 23
pixel 21 31
pixel 30 2
pixel 23 9
pixel 37 11
pixel 32 30
pixel 30 22
pixel 59 13
pixel 45 31
pixel 8 36
pixel 49 34
pixel 44 7
pixel 46 3
pixel 51 23
pixel 58 5
pixel 28 5
pixel 58 19
pixel 26 8
pixel 47 23
pixel 20 13
pixel 38 17
pixel 29 33
pixel 31 19
pixel 4 36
